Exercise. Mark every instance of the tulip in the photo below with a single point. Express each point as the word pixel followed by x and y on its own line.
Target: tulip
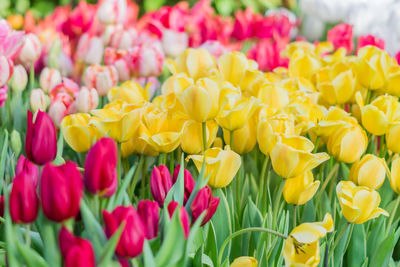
pixel 101 168
pixel 233 67
pixel 244 262
pixel 2 203
pixel 394 178
pixel 76 251
pixel 359 203
pixel 392 138
pixel 24 203
pixel 244 139
pixel 274 96
pixel 15 140
pixel 146 59
pixel 192 137
pixel 103 78
pixel 174 43
pixel 292 156
pixel 214 47
pixel 41 140
pixel 301 248
pixel 49 78
pixel 188 182
pixel 393 83
pixel 137 145
pixel 149 213
pixel 61 190
pixel 243 27
pixel 300 189
pixel 369 171
pixel 204 201
pixel 90 49
pixel 267 54
pixel 3 95
pixel 131 241
pixel 303 64
pixel 221 165
pixel 130 92
pixel 119 38
pixel 6 70
pixel 27 167
pixel 112 11
pixel 342 36
pixel 160 183
pixel 19 79
pixel 86 100
pixel 183 216
pixel 30 50
pixel 57 111
pixel 364 40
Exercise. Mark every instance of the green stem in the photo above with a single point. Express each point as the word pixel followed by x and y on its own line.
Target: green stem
pixel 31 77
pixel 244 231
pixel 136 177
pixel 28 235
pixel 396 206
pixel 171 162
pixel 231 139
pixel 262 180
pixel 294 216
pixel 204 135
pixel 119 163
pixel 338 239
pixel 369 96
pixel 316 144
pixel 328 178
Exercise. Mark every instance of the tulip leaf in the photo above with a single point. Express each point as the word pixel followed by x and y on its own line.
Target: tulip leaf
pixel 60 147
pixel 194 231
pixel 200 183
pixel 357 250
pixel 222 220
pixel 3 156
pixel 149 260
pixel 375 236
pixel 48 234
pixel 211 243
pixel 109 248
pixel 383 254
pixel 116 199
pixel 30 256
pixel 177 190
pixel 341 246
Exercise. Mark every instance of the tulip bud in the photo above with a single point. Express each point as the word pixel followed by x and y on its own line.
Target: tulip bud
pixel 369 171
pixel 392 137
pixel 24 203
pixel 204 201
pixel 146 59
pixel 76 251
pixel 149 212
pixel 38 100
pixel 244 262
pixel 6 70
pixel 188 182
pixel 341 36
pixel 30 50
pixel 130 243
pixel 3 95
pixel 103 78
pixel 160 183
pixel 174 43
pixel 19 79
pixel 49 78
pixel 41 139
pixel 86 100
pixel 394 178
pixel 300 189
pixel 2 203
pixel 61 190
pixel 57 111
pixel 16 142
pixel 32 170
pixel 101 168
pixel 183 216
pixel 112 11
pixel 90 49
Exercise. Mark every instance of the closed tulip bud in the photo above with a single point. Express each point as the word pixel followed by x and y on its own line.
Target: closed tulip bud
pixel 86 100
pixel 274 96
pixel 244 139
pixel 183 216
pixel 76 251
pixel 25 166
pixel 341 36
pixel 57 111
pixel 300 189
pixel 16 142
pixel 369 171
pixel 160 183
pixel 130 243
pixel 49 78
pixel 221 164
pixel 130 92
pixel 61 190
pixel 244 262
pixel 233 67
pixel 19 79
pixel 188 182
pixel 90 49
pixel 303 64
pixel 38 100
pixel 112 11
pixel 204 201
pixel 359 203
pixel 6 70
pixel 149 212
pixel 30 50
pixel 394 176
pixel 3 95
pixel 174 43
pixel 103 78
pixel 41 139
pixel 192 138
pixel 101 168
pixel 392 138
pixel 146 59
pixel 24 203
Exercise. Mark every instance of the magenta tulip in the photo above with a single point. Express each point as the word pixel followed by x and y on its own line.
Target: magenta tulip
pixel 183 216
pixel 160 183
pixel 149 212
pixel 188 181
pixel 204 201
pixel 76 251
pixel 24 165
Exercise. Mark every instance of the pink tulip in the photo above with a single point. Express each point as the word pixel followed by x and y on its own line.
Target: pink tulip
pixel 118 37
pixel 174 43
pixel 49 78
pixel 3 94
pixel 31 50
pixel 244 24
pixel 204 201
pixel 183 216
pixel 6 70
pixel 38 100
pixel 149 212
pixel 112 11
pixel 147 58
pixel 160 183
pixel 188 182
pixel 341 36
pixel 57 111
pixel 215 48
pixel 90 49
pixel 267 54
pixel 118 59
pixel 24 165
pixel 86 100
pixel 103 78
pixel 369 39
pixel 10 41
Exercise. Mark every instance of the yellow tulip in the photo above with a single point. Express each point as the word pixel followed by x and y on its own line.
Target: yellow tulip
pixel 218 142
pixel 233 67
pixel 359 203
pixel 244 262
pixel 369 171
pixel 244 139
pixel 78 132
pixel 221 165
pixel 301 248
pixel 196 63
pixel 176 84
pixel 192 137
pixel 137 145
pixel 393 83
pixel 304 64
pixel 335 119
pixel 300 189
pixel 292 156
pixel 130 92
pixel 273 95
pixel 118 120
pixel 394 178
pixel 392 138
pixel 373 67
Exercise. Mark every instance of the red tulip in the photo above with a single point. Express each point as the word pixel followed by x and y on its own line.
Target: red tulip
pixel 204 201
pixel 101 168
pixel 149 212
pixel 188 181
pixel 41 140
pixel 24 203
pixel 61 190
pixel 131 241
pixel 341 36
pixel 76 251
pixel 24 165
pixel 184 217
pixel 160 183
pixel 369 39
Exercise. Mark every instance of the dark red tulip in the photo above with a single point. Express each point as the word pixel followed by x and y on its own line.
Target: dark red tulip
pixel 2 203
pixel 149 212
pixel 41 139
pixel 24 165
pixel 76 251
pixel 184 217
pixel 101 168
pixel 204 201
pixel 24 202
pixel 61 190
pixel 188 181
pixel 131 241
pixel 160 183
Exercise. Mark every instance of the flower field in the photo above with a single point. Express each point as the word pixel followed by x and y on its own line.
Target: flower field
pixel 201 133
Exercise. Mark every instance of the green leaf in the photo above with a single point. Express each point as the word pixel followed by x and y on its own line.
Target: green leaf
pixel 31 257
pixel 200 183
pixel 177 190
pixel 385 249
pixel 109 249
pixel 48 234
pixel 92 226
pixel 357 250
pixel 60 147
pixel 224 7
pixel 153 4
pixel 211 244
pixel 375 236
pixel 222 220
pixel 149 260
pixel 117 198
